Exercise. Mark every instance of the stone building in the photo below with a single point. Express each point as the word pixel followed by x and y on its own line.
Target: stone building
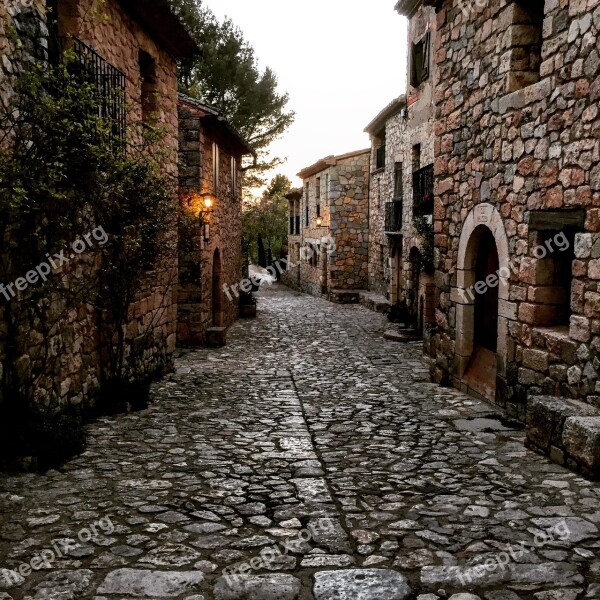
pixel 210 260
pixel 401 191
pixel 328 248
pixel 517 206
pixel 386 216
pixel 131 48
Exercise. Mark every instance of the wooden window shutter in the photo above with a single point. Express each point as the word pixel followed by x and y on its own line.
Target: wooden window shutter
pixel 426 55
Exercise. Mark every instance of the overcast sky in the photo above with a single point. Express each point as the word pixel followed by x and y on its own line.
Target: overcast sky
pixel 341 61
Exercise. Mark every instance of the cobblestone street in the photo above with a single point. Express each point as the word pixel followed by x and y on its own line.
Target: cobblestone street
pixel 314 442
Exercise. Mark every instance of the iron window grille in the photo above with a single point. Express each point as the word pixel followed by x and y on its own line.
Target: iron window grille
pixel 423 191
pixel 109 80
pixel 393 216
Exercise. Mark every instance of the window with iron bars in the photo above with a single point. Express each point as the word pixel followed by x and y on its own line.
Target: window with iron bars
pixel 109 80
pixel 423 192
pixel 393 216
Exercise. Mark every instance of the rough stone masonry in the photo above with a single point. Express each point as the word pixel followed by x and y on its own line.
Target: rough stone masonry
pixel 517 151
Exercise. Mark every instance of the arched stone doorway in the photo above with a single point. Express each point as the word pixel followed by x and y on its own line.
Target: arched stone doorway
pixel 482 289
pixel 217 290
pixel 486 302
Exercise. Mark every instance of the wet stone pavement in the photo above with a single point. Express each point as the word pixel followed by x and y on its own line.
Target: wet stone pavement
pixel 310 459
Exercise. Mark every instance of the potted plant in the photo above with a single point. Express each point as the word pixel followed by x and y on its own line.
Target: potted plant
pixel 247 305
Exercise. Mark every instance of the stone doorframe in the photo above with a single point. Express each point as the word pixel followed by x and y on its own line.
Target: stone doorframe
pixel 482 216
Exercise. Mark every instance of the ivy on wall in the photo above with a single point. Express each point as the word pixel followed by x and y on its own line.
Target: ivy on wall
pixel 63 174
pixel 425 230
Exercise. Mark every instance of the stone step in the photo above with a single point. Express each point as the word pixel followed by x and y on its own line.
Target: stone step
pixel 568 431
pixel 345 296
pixel 216 337
pixel 375 302
pixel 401 335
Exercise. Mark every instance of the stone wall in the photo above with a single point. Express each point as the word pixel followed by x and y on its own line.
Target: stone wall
pixel 292 276
pixel 72 372
pixel 198 255
pixel 313 261
pixel 507 149
pixel 380 249
pixel 349 223
pixel 111 31
pixel 335 255
pixel 418 131
pixel 119 39
pixel 23 37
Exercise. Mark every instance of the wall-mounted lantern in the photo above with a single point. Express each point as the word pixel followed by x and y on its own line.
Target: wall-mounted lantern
pixel 205 209
pixel 319 221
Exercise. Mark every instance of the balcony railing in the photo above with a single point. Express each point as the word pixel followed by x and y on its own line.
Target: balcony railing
pixel 109 80
pixel 393 216
pixel 423 192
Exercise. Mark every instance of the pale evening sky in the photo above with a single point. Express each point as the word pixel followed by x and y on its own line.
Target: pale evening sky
pixel 341 61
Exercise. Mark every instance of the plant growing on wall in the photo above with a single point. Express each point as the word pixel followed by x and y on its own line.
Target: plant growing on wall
pixel 138 213
pixel 62 174
pixel 424 228
pixel 51 141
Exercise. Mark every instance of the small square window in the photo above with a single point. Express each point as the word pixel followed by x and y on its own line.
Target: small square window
pixel 525 38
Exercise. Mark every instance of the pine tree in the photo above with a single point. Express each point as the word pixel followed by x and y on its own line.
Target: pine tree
pixel 227 76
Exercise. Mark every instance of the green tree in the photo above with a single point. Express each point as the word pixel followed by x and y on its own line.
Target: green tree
pixel 227 76
pixel 262 255
pixel 268 217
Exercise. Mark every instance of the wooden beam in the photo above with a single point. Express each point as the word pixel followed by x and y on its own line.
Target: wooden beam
pixel 555 220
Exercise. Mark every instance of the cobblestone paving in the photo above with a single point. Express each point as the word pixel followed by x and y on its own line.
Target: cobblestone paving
pixel 314 443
